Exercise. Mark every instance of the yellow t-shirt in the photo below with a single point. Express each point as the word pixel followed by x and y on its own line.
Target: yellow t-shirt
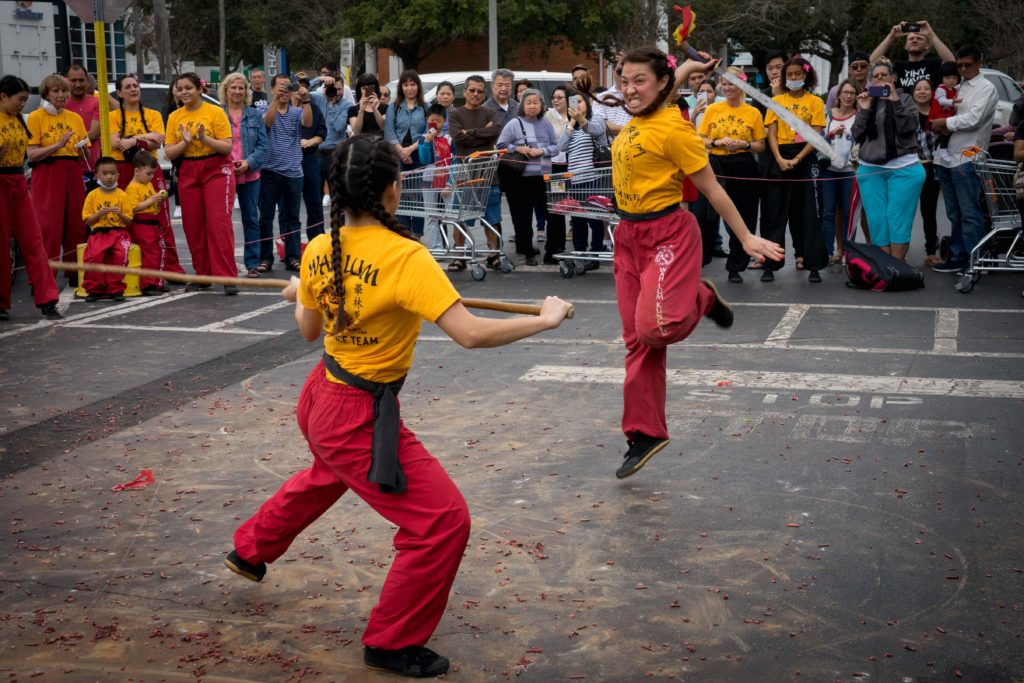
pixel 133 126
pixel 100 198
pixel 47 129
pixel 14 140
pixel 139 192
pixel 650 157
pixel 391 285
pixel 808 107
pixel 724 121
pixel 212 117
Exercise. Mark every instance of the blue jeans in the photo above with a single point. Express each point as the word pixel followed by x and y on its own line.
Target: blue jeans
pixel 248 195
pixel 279 189
pixel 961 192
pixel 837 194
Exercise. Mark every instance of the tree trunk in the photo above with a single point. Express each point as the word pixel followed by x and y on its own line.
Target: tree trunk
pixel 223 40
pixel 162 28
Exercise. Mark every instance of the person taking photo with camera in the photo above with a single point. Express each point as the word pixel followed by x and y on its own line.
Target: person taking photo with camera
pixel 920 38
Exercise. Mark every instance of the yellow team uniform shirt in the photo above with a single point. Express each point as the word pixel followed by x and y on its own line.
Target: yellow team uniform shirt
pixel 14 140
pixel 650 157
pixel 391 285
pixel 807 107
pixel 47 129
pixel 100 198
pixel 133 126
pixel 137 193
pixel 213 119
pixel 739 123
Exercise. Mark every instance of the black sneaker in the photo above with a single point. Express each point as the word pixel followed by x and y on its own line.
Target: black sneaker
pixel 117 298
pixel 640 451
pixel 93 298
pixel 949 267
pixel 50 311
pixel 5 314
pixel 531 260
pixel 253 572
pixel 230 290
pixel 814 277
pixel 735 277
pixel 767 276
pixel 196 287
pixel 413 661
pixel 152 290
pixel 721 311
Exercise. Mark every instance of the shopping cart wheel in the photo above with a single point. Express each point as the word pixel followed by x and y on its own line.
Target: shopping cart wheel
pixel 506 265
pixel 966 283
pixel 579 266
pixel 477 272
pixel 566 268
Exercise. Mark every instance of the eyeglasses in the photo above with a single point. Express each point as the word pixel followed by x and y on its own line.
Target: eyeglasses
pixel 965 65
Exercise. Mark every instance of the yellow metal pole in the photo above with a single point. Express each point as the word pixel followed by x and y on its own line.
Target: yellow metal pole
pixel 99 32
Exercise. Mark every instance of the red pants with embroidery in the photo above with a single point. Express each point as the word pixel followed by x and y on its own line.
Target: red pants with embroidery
pixel 110 247
pixel 206 188
pixel 146 233
pixel 58 191
pixel 126 171
pixel 661 299
pixel 18 220
pixel 432 517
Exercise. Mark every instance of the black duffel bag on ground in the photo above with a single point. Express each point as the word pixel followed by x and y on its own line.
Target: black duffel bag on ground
pixel 868 267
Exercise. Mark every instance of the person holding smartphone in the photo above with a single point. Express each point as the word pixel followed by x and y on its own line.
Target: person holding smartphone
pixel 920 38
pixel 368 116
pixel 889 171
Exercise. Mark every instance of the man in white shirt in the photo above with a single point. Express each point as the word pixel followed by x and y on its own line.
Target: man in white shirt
pixel 615 118
pixel 961 187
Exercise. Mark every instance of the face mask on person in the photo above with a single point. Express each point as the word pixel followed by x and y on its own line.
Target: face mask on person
pixel 49 108
pixel 112 186
pixel 795 85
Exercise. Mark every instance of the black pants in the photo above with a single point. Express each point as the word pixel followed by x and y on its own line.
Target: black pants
pixel 740 182
pixel 789 197
pixel 929 200
pixel 524 194
pixel 555 223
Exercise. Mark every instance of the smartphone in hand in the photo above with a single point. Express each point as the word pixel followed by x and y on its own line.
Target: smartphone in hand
pixel 878 91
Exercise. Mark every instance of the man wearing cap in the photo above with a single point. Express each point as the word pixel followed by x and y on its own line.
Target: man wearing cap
pixel 857 71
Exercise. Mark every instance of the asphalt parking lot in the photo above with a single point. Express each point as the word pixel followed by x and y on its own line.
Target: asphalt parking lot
pixel 840 499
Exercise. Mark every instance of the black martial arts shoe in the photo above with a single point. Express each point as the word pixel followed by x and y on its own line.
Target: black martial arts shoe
pixel 641 449
pixel 253 572
pixel 721 311
pixel 196 287
pixel 413 661
pixel 230 290
pixel 50 311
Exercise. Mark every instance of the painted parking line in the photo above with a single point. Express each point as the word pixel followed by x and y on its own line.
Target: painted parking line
pixel 227 323
pixel 792 381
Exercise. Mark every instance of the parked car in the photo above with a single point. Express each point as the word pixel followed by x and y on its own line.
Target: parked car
pixel 1009 92
pixel 545 81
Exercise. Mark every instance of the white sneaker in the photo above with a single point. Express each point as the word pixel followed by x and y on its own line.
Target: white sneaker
pixel 327 200
pixel 542 236
pixel 177 212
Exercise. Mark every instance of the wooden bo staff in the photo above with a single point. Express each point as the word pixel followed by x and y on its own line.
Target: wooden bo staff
pixel 268 283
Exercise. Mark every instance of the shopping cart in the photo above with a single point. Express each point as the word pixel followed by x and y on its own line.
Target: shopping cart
pixel 585 195
pixel 455 196
pixel 1003 247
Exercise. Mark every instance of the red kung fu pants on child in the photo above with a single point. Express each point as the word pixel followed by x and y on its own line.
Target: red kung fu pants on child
pixel 18 220
pixel 661 299
pixel 59 193
pixel 431 515
pixel 109 246
pixel 126 171
pixel 146 233
pixel 206 186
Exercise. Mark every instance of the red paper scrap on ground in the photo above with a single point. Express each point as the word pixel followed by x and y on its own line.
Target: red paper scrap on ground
pixel 144 479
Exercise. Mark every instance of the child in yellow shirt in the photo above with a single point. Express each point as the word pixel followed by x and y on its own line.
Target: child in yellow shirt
pixel 107 214
pixel 145 230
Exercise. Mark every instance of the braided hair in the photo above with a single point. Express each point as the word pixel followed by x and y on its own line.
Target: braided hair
pixel 11 86
pixel 362 168
pixel 658 63
pixel 142 112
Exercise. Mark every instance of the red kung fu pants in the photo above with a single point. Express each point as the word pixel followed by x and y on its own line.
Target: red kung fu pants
pixel 661 299
pixel 206 187
pixel 109 246
pixel 432 517
pixel 146 233
pixel 18 220
pixel 59 193
pixel 126 171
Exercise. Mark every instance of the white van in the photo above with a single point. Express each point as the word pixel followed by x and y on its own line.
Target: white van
pixel 545 81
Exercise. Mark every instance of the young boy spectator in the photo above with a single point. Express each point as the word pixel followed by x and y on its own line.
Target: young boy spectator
pixel 944 102
pixel 435 152
pixel 107 214
pixel 145 202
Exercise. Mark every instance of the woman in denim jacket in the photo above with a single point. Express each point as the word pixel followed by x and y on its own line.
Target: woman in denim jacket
pixel 405 124
pixel 249 147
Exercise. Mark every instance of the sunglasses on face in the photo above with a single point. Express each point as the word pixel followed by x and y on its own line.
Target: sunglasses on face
pixel 965 65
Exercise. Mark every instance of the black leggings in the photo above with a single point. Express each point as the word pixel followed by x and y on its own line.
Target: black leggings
pixel 929 200
pixel 524 193
pixel 789 197
pixel 740 184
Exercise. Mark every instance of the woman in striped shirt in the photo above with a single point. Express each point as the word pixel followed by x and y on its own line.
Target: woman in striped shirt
pixel 579 140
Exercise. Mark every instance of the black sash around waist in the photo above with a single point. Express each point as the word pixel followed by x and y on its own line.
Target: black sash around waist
pixel 385 470
pixel 11 170
pixel 146 221
pixel 672 208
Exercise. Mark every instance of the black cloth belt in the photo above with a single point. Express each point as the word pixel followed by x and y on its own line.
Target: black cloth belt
pixel 146 221
pixel 205 156
pixel 648 216
pixel 385 470
pixel 11 170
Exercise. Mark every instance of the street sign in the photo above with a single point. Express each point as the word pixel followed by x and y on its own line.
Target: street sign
pixel 347 51
pixel 98 10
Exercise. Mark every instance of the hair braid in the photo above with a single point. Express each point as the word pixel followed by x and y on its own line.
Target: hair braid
pixel 339 200
pixel 379 167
